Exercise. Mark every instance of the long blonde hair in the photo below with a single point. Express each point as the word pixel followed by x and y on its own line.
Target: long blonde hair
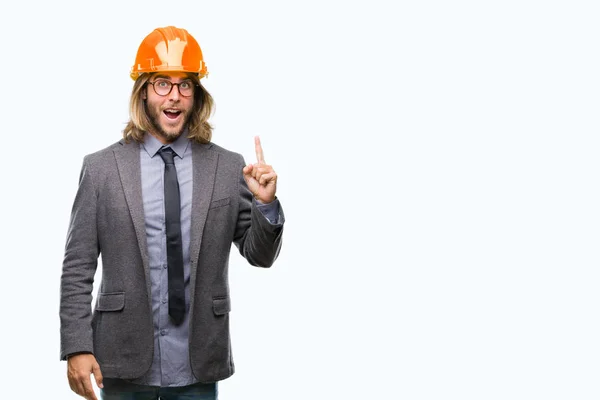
pixel 139 122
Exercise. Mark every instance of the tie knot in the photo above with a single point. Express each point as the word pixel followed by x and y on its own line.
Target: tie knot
pixel 167 154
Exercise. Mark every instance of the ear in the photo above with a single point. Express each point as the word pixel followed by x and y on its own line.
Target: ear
pixel 144 94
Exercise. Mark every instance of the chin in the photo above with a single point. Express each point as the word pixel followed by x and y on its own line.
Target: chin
pixel 173 132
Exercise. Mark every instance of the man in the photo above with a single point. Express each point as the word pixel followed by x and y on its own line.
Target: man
pixel 162 207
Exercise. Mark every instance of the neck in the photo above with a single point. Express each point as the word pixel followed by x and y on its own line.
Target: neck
pixel 164 138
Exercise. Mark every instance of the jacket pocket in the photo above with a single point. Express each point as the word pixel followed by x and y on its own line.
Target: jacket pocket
pixel 219 203
pixel 110 301
pixel 221 305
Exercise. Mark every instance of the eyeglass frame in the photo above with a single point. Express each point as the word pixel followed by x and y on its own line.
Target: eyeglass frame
pixel 194 85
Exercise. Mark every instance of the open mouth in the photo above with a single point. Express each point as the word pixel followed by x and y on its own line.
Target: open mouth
pixel 172 113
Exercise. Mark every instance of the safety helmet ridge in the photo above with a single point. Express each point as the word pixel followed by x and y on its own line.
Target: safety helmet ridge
pixel 169 49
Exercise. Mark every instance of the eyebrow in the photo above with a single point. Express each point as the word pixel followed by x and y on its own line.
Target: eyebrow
pixel 169 78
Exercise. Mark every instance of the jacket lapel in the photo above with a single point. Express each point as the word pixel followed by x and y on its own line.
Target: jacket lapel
pixel 128 163
pixel 205 169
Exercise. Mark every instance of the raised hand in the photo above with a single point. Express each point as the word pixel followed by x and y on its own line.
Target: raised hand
pixel 260 177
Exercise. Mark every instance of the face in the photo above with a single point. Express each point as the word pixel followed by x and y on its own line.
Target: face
pixel 169 113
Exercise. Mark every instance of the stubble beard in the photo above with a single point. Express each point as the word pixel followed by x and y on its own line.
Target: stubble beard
pixel 169 136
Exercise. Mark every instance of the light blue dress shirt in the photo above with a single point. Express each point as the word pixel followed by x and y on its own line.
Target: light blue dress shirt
pixel 171 364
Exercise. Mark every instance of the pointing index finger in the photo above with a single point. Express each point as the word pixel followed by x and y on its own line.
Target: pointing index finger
pixel 259 151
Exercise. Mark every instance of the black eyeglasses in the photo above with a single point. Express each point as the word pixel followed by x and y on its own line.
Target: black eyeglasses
pixel 163 87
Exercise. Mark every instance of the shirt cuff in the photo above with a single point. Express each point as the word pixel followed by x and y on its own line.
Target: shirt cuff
pixel 269 210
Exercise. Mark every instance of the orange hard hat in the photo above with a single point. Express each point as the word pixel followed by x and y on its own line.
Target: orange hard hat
pixel 169 49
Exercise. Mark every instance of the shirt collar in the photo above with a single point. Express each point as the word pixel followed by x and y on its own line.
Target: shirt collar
pixel 152 145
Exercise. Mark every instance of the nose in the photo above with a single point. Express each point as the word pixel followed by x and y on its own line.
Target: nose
pixel 174 93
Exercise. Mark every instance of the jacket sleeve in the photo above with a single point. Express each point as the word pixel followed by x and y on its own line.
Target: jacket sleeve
pixel 79 267
pixel 258 241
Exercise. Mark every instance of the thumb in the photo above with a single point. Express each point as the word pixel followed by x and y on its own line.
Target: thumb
pixel 97 375
pixel 247 169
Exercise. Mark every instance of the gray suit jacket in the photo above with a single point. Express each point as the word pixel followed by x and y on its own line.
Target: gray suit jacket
pixel 107 219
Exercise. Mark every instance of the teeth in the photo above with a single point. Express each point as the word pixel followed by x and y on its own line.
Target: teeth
pixel 172 111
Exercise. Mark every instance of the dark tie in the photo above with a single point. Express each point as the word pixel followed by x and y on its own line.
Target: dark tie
pixel 174 246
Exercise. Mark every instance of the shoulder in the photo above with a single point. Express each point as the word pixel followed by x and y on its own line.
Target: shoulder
pixel 227 155
pixel 106 155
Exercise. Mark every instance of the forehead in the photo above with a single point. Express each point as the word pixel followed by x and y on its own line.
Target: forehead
pixel 172 76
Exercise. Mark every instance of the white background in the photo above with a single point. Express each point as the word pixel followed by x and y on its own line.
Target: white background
pixel 438 166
